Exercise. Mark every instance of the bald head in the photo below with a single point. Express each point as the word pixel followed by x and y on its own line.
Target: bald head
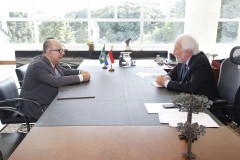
pixel 53 50
pixel 48 44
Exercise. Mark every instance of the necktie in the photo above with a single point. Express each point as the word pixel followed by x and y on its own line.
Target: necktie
pixel 54 68
pixel 184 71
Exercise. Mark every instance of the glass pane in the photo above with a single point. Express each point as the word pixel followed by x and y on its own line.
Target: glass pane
pixel 162 32
pixel 129 9
pixel 74 9
pixel 102 9
pixel 230 9
pixel 69 32
pixel 159 9
pixel 48 9
pixel 153 11
pixel 20 32
pixel 177 9
pixel 227 32
pixel 16 8
pixel 118 32
pixel 3 32
pixel 79 30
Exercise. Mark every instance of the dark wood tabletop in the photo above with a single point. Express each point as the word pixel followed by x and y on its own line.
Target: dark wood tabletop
pixel 124 143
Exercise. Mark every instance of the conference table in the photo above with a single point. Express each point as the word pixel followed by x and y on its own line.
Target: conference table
pixel 113 123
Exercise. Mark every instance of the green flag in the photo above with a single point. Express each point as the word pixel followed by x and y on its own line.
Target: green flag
pixel 102 56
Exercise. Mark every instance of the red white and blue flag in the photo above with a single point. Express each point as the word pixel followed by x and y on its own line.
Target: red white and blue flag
pixel 109 58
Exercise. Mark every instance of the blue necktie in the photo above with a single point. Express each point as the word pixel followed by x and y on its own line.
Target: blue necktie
pixel 184 71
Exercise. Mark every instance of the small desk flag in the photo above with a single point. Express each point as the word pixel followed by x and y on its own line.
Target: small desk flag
pixel 111 56
pixel 102 57
pixel 109 59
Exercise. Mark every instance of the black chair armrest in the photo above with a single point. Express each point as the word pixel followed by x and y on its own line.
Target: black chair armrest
pixel 23 99
pixel 64 64
pixel 19 112
pixel 219 103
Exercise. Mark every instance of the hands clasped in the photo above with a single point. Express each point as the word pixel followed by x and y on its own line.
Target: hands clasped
pixel 160 80
pixel 86 75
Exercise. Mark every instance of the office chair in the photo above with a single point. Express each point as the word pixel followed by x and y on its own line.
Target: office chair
pixel 9 97
pixel 10 141
pixel 21 71
pixel 64 65
pixel 228 86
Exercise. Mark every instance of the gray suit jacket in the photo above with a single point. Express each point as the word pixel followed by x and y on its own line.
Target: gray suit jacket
pixel 41 84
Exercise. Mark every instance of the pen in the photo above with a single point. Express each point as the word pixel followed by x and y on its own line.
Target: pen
pixel 75 98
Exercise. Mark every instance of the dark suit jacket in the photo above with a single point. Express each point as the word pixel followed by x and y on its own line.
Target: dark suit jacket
pixel 198 80
pixel 41 84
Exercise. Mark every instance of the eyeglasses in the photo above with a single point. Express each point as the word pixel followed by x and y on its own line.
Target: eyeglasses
pixel 59 50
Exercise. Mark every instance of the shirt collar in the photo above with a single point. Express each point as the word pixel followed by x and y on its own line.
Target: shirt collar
pixel 188 61
pixel 52 64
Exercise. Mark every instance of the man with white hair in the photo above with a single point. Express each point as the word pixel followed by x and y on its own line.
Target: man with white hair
pixel 193 73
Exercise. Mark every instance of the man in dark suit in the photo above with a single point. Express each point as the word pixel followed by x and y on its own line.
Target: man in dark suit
pixel 44 76
pixel 193 73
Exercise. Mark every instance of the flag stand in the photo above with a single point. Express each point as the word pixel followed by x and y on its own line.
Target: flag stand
pixel 111 69
pixel 104 67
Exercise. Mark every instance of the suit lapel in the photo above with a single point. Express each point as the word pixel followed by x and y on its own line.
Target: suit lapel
pixel 49 65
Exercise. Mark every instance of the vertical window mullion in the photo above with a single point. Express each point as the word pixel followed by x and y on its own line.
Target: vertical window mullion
pixel 142 22
pixel 89 20
pixel 238 32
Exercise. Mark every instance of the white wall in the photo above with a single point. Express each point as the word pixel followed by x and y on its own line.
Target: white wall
pixel 201 22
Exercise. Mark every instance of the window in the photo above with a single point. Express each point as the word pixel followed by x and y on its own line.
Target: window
pixel 102 21
pixel 228 25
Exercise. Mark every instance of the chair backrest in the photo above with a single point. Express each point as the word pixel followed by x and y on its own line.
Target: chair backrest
pixel 229 77
pixel 8 90
pixel 21 71
pixel 9 142
pixel 64 65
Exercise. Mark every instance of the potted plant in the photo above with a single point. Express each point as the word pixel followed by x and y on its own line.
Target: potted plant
pixel 89 43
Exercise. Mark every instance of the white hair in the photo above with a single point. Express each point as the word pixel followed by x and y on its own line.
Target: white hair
pixel 188 42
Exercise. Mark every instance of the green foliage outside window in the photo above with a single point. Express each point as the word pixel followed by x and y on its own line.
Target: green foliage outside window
pixel 129 10
pixel 106 32
pixel 227 32
pixel 20 32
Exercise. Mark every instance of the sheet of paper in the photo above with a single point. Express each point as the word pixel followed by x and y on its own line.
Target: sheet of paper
pixel 155 84
pixel 173 118
pixel 145 74
pixel 149 66
pixel 157 107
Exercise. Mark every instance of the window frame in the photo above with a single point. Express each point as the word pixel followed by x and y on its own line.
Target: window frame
pixel 141 20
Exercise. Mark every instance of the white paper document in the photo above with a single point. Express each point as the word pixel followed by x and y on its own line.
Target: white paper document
pixel 173 116
pixel 145 74
pixel 149 66
pixel 157 107
pixel 156 85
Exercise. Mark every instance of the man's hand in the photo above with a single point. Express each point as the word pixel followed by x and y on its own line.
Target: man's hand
pixel 86 75
pixel 160 80
pixel 84 72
